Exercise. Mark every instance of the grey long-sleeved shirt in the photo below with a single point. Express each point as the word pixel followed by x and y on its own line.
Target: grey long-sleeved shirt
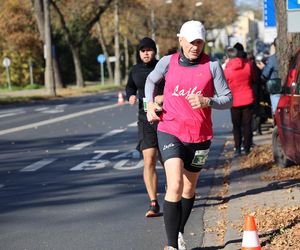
pixel 222 98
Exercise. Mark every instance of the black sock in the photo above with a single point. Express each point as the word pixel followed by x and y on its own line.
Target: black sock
pixel 172 218
pixel 186 205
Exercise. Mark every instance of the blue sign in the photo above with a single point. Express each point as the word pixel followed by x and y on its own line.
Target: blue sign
pixel 269 14
pixel 101 58
pixel 293 4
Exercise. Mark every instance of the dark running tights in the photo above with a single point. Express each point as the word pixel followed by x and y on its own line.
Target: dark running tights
pixel 176 215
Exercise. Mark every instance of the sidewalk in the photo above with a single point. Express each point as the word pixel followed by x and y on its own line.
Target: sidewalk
pixel 246 190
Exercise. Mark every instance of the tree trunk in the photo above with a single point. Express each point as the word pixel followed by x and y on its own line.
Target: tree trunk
pixel 39 16
pixel 77 65
pixel 117 45
pixel 57 75
pixel 104 49
pixel 287 43
pixel 126 58
pixel 49 80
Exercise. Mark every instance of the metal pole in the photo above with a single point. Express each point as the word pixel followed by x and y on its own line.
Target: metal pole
pixel 31 72
pixel 102 74
pixel 8 78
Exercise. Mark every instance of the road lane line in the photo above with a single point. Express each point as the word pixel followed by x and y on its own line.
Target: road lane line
pixel 41 109
pixel 11 114
pixel 111 133
pixel 2 185
pixel 57 119
pixel 81 145
pixel 88 143
pixel 134 124
pixel 37 165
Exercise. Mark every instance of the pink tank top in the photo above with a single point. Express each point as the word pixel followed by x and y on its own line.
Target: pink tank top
pixel 178 118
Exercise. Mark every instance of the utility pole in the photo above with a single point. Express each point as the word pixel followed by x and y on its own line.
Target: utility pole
pixel 49 79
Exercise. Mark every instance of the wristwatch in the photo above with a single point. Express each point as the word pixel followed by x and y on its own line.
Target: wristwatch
pixel 210 102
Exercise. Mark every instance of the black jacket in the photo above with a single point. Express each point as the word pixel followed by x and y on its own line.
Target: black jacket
pixel 136 82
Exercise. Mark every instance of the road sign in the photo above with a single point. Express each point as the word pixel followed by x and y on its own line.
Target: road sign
pixel 293 5
pixel 269 14
pixel 101 58
pixel 270 31
pixel 6 62
pixel 112 59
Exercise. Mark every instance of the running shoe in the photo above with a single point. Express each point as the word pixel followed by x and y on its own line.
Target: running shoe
pixel 153 210
pixel 181 242
pixel 169 248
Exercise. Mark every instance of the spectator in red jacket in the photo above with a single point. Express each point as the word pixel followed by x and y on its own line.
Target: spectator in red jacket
pixel 239 74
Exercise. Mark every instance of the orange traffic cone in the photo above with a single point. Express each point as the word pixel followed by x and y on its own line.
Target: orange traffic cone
pixel 250 236
pixel 120 98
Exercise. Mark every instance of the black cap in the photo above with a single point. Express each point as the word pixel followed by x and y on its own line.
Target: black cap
pixel 147 42
pixel 239 47
pixel 240 50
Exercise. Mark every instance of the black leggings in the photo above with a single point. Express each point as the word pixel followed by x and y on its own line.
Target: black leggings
pixel 241 118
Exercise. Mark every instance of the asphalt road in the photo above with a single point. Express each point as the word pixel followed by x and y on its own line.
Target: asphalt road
pixel 71 179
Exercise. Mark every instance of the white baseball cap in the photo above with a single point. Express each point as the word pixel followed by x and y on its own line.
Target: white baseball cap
pixel 192 30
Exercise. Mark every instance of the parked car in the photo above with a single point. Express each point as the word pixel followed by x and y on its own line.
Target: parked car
pixel 286 133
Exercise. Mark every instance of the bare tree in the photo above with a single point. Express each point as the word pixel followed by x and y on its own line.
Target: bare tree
pixel 76 37
pixel 102 42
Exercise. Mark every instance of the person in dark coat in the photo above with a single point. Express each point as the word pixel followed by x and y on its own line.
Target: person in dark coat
pixel 270 72
pixel 147 135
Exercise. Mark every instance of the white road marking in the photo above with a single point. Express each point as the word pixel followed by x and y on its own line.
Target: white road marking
pixel 95 163
pixel 57 119
pixel 57 109
pixel 100 153
pixel 125 154
pixel 37 165
pixel 53 111
pixel 88 143
pixel 90 165
pixel 61 106
pixel 134 124
pixel 12 114
pixel 2 185
pixel 12 111
pixel 120 165
pixel 41 109
pixel 111 133
pixel 81 145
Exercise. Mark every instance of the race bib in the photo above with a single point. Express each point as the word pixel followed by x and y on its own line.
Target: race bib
pixel 200 157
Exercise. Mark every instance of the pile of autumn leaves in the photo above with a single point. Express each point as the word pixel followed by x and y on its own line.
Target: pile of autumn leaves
pixel 283 230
